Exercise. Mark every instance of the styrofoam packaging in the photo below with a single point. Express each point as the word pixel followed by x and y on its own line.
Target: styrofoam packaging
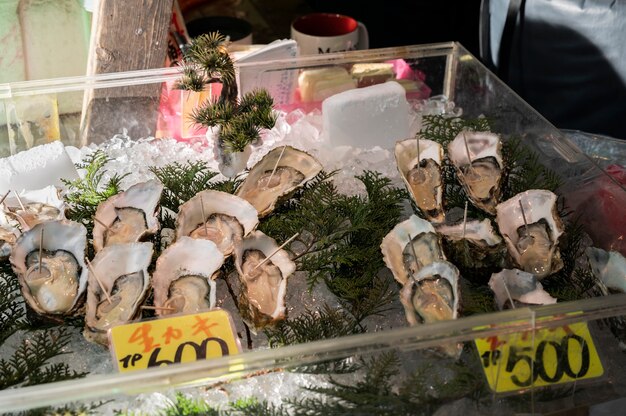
pixel 367 117
pixel 36 168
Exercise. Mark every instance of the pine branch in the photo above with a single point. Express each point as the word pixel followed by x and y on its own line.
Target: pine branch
pixel 324 323
pixel 191 80
pixel 29 364
pixel 12 309
pixel 184 406
pixel 252 407
pixel 84 195
pixel 182 182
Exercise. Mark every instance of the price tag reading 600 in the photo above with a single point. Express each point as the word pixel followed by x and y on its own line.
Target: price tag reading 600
pixel 177 339
pixel 552 356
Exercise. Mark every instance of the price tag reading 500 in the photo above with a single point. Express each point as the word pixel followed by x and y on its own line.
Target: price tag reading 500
pixel 556 355
pixel 177 339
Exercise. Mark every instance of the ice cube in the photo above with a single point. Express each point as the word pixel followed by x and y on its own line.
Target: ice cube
pixel 367 117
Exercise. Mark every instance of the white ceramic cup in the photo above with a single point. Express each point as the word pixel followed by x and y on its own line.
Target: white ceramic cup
pixel 319 33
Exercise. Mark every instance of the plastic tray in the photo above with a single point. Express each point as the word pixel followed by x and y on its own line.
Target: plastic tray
pixel 130 103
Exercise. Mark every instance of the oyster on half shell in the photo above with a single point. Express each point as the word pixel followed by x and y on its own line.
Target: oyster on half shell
pixel 476 241
pixel 480 171
pixel 432 294
pixel 263 285
pixel 54 283
pixel 531 229
pixel 515 287
pixel 411 245
pixel 183 279
pixel 122 271
pixel 33 207
pixel 128 216
pixel 422 177
pixel 216 216
pixel 277 175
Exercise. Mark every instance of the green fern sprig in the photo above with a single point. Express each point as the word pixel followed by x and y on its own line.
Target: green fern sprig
pixel 12 310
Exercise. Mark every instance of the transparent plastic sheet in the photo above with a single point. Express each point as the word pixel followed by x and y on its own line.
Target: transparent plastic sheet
pixel 451 71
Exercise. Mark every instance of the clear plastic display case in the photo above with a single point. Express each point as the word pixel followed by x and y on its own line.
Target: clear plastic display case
pixel 89 110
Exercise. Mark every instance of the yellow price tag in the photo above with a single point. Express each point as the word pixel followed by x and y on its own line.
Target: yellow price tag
pixel 177 339
pixel 554 356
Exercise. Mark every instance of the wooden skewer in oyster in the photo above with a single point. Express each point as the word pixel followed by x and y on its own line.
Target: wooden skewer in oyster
pixel 518 287
pixel 420 168
pixel 411 245
pixel 477 158
pixel 35 207
pixel 118 284
pixel 184 277
pixel 216 216
pixel 263 287
pixel 5 197
pixel 531 231
pixel 276 176
pixel 128 216
pixel 50 266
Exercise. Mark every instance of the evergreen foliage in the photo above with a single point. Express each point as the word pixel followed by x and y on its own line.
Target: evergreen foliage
pixel 30 364
pixel 240 121
pixel 12 311
pixel 84 195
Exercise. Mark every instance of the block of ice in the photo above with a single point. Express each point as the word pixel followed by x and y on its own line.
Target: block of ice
pixel 367 117
pixel 36 168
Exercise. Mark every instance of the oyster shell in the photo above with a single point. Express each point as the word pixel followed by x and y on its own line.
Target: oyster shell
pixel 183 279
pixel 57 286
pixel 122 271
pixel 480 246
pixel 423 182
pixel 432 294
pixel 293 169
pixel 609 267
pixel 263 288
pixel 533 241
pixel 404 259
pixel 480 172
pixel 514 286
pixel 128 216
pixel 217 216
pixel 39 205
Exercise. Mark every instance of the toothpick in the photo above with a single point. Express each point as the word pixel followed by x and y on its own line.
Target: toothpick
pixel 413 251
pixel 469 157
pixel 101 223
pixel 276 165
pixel 206 232
pixel 265 260
pixel 418 152
pixel 523 216
pixel 508 294
pixel 158 308
pixel 40 249
pixel 19 200
pixel 98 280
pixel 5 196
pixel 464 220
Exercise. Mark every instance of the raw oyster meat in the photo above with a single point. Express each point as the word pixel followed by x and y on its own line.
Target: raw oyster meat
pixel 277 176
pixel 411 245
pixel 422 177
pixel 480 171
pixel 217 216
pixel 432 294
pixel 183 279
pixel 479 233
pixel 54 284
pixel 532 233
pixel 515 286
pixel 122 271
pixel 33 207
pixel 609 267
pixel 129 216
pixel 263 285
